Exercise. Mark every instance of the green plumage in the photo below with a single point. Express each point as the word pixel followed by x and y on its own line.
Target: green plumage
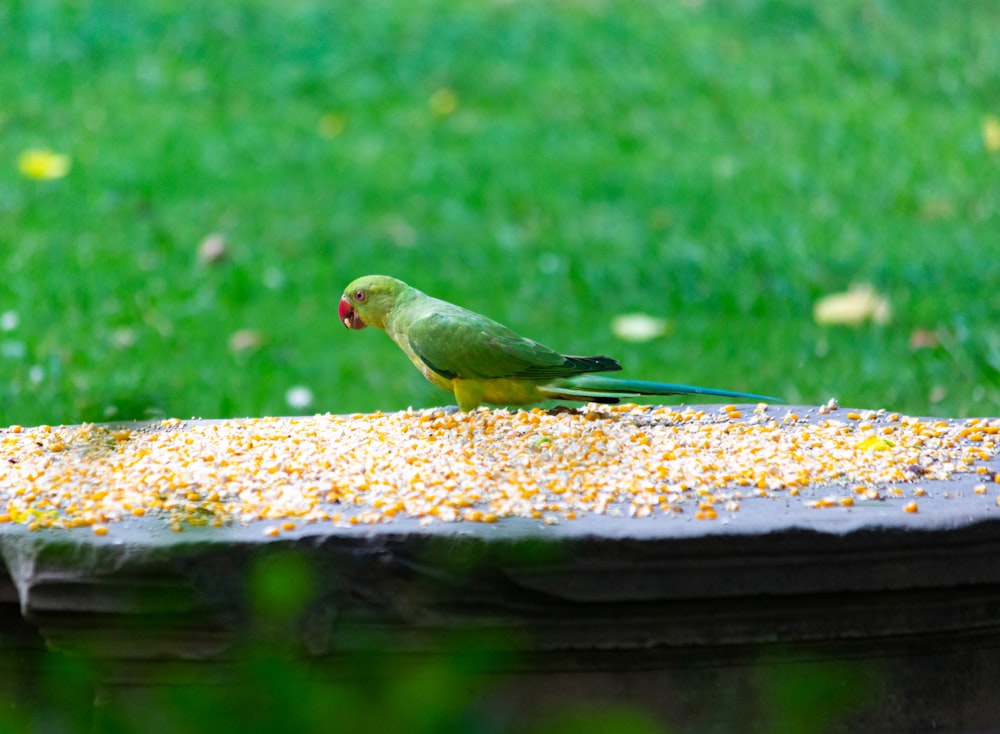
pixel 482 361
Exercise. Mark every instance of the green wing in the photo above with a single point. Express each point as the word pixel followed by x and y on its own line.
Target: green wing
pixel 468 346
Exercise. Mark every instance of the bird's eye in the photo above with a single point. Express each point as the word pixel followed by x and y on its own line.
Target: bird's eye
pixel 359 296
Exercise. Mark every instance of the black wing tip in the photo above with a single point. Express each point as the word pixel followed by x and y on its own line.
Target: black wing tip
pixel 593 364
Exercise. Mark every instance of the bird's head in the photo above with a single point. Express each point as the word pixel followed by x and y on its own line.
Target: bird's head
pixel 368 300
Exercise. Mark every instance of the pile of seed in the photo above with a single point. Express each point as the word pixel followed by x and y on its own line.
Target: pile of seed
pixel 633 461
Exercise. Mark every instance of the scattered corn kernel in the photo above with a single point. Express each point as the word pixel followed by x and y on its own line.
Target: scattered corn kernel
pixel 433 466
pixel 911 506
pixel 706 512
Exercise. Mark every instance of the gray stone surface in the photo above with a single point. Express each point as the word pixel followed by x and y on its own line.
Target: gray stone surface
pixel 665 612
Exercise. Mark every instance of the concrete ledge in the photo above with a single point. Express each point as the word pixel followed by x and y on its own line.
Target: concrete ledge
pixel 666 613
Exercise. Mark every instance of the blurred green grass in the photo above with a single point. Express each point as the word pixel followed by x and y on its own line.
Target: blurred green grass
pixel 722 165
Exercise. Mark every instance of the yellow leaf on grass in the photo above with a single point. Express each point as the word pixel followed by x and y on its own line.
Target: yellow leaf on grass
pixel 331 124
pixel 638 327
pixel 991 133
pixel 443 102
pixel 853 307
pixel 43 165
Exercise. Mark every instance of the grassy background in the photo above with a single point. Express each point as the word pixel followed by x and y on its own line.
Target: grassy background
pixel 720 164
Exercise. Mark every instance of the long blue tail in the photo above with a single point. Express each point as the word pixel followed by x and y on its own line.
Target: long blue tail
pixel 602 389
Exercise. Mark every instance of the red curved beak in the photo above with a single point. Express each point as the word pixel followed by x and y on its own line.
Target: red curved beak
pixel 348 316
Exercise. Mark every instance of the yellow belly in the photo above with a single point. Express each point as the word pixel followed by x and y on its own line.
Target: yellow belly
pixel 471 393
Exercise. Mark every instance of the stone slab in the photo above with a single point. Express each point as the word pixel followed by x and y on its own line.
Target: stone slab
pixel 575 610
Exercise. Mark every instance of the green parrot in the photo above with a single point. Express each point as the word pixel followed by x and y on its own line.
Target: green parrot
pixel 482 361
